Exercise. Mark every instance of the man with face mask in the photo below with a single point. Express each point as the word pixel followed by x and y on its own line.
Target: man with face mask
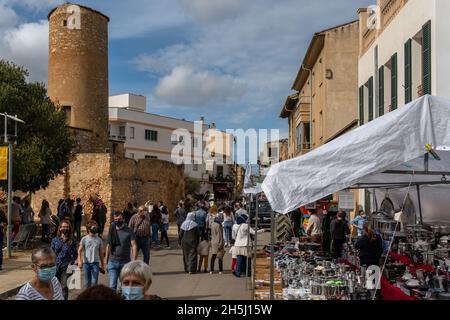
pixel 44 285
pixel 120 247
pixel 359 222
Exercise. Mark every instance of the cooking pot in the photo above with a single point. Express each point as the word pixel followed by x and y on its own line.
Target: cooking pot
pixel 440 230
pixel 388 225
pixel 444 296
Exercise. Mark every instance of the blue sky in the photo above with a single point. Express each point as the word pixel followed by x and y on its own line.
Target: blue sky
pixel 232 61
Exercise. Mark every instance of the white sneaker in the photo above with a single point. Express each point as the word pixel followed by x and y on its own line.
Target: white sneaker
pixel 220 272
pixel 211 272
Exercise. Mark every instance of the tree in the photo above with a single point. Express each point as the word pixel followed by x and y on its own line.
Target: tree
pixel 191 186
pixel 44 142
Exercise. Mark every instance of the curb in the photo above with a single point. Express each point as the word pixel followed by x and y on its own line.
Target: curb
pixel 11 292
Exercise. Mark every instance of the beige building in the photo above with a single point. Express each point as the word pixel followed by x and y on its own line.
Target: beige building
pixel 327 77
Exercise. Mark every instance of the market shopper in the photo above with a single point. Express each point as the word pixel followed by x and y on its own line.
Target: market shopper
pixel 165 227
pixel 200 217
pixel 359 222
pixel 314 228
pixel 136 279
pixel 239 210
pixel 339 230
pixel 203 254
pixel 44 285
pixel 370 247
pixel 121 247
pixel 141 226
pixel 155 220
pixel 240 234
pixel 99 215
pixel 65 247
pixel 210 217
pixel 180 216
pixel 190 235
pixel 78 218
pixel 128 212
pixel 217 244
pixel 16 210
pixel 90 255
pixel 27 213
pixel 45 215
pixel 228 222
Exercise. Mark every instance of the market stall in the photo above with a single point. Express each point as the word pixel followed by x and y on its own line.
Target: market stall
pixel 403 158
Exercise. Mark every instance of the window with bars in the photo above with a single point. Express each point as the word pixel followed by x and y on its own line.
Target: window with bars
pixel 151 135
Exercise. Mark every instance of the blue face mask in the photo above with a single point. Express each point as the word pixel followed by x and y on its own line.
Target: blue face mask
pixel 47 274
pixel 133 293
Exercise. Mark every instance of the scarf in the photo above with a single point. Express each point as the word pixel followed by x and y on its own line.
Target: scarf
pixel 242 219
pixel 113 237
pixel 189 223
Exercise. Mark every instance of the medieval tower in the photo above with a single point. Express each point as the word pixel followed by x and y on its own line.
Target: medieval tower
pixel 78 72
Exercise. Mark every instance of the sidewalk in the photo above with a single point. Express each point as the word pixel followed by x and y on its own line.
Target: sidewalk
pixel 16 272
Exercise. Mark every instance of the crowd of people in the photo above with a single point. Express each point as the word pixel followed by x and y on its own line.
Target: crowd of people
pixel 205 231
pixel 331 230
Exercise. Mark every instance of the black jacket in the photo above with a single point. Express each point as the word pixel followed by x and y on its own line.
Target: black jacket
pixel 369 251
pixel 339 230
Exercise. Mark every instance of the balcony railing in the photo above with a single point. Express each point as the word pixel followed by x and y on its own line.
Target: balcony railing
pixel 221 178
pixel 121 138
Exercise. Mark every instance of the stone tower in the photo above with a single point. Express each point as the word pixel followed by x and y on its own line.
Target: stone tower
pixel 78 72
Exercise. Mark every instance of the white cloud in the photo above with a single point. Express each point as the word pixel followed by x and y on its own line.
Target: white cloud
pixel 213 11
pixel 184 87
pixel 8 17
pixel 38 5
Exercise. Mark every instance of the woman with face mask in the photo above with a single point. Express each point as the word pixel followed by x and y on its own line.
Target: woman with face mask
pixel 44 285
pixel 91 245
pixel 65 248
pixel 136 279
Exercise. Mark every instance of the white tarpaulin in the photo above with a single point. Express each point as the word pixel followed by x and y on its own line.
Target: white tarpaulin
pixel 395 141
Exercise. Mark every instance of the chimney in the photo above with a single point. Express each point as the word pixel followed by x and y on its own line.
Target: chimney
pixel 213 125
pixel 202 119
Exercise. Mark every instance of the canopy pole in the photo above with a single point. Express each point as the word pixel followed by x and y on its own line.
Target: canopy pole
pixel 255 252
pixel 427 156
pixel 272 253
pixel 420 203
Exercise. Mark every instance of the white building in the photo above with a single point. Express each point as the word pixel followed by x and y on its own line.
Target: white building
pixel 147 135
pixel 403 54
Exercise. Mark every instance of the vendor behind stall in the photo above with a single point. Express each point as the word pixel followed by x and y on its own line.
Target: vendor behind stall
pixel 339 230
pixel 370 247
pixel 359 222
pixel 314 228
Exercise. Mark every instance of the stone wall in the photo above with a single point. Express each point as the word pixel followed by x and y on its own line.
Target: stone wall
pixel 117 181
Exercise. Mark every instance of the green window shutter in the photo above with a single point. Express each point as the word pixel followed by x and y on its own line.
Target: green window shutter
pixel 426 58
pixel 394 83
pixel 371 99
pixel 361 105
pixel 367 201
pixel 408 71
pixel 381 91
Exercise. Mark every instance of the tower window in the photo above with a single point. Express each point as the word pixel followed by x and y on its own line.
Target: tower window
pixel 65 23
pixel 68 111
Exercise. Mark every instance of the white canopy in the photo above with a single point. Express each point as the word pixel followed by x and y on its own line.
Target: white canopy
pixel 395 142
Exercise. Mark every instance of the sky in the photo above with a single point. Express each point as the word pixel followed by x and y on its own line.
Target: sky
pixel 231 61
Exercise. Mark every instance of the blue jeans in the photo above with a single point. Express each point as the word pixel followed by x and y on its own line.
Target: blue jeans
pixel 143 243
pixel 227 231
pixel 241 266
pixel 91 271
pixel 155 230
pixel 114 269
pixel 78 229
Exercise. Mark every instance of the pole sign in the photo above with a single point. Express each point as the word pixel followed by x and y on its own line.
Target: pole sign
pixel 3 163
pixel 346 200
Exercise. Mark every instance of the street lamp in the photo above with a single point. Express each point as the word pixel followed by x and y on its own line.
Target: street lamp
pixel 10 142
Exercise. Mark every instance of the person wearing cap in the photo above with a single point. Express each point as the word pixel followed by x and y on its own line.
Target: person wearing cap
pixel 141 226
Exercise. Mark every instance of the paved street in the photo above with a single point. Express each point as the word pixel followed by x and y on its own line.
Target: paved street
pixel 170 280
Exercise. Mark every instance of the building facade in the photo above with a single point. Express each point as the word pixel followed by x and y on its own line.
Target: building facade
pixel 324 90
pixel 403 54
pixel 151 136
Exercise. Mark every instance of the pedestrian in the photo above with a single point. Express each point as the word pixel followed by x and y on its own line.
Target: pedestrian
pixel 100 292
pixel 136 279
pixel 45 215
pixel 58 209
pixel 210 217
pixel 314 228
pixel 203 254
pixel 233 259
pixel 99 215
pixel 239 210
pixel 44 285
pixel 64 210
pixel 180 215
pixel 27 213
pixel 370 247
pixel 128 212
pixel 141 226
pixel 339 230
pixel 78 218
pixel 155 220
pixel 66 250
pixel 240 234
pixel 217 244
pixel 3 224
pixel 165 226
pixel 120 248
pixel 16 210
pixel 228 222
pixel 90 255
pixel 359 222
pixel 190 235
pixel 200 217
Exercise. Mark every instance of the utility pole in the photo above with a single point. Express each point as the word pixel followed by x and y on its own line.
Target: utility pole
pixel 10 175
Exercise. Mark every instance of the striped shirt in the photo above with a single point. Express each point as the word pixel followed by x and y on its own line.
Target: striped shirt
pixel 27 292
pixel 143 228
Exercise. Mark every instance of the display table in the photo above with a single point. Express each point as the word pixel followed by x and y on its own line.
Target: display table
pixel 390 292
pixel 412 266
